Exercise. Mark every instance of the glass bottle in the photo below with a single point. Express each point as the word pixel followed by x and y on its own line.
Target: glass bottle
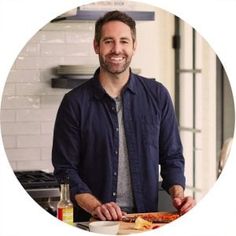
pixel 65 206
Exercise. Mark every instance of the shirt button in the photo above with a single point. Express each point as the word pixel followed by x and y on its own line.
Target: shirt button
pixel 113 108
pixel 116 152
pixel 115 174
pixel 114 194
pixel 117 129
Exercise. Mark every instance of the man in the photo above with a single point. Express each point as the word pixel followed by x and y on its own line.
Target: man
pixel 112 133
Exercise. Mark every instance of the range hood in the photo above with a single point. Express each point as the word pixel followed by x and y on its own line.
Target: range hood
pixel 90 15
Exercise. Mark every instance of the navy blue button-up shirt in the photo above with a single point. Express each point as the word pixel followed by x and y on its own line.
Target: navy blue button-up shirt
pixel 86 141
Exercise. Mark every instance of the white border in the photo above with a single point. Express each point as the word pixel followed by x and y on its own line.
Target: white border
pixel 214 20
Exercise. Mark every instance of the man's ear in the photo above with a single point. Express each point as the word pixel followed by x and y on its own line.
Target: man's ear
pixel 96 46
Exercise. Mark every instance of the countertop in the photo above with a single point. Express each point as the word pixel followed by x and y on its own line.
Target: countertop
pixel 125 227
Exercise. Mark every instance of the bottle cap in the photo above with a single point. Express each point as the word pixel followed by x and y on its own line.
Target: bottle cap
pixel 64 180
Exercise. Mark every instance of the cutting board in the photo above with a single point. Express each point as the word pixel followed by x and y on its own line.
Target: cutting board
pixel 128 228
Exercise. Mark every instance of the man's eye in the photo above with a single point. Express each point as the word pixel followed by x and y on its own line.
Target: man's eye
pixel 124 42
pixel 108 41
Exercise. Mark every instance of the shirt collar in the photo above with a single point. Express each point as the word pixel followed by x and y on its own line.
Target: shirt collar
pixel 131 85
pixel 99 91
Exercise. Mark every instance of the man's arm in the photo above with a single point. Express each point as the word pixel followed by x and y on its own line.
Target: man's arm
pixel 107 211
pixel 66 146
pixel 180 202
pixel 176 191
pixel 87 201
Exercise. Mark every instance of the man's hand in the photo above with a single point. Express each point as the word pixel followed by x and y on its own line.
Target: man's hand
pixel 107 211
pixel 180 202
pixel 183 205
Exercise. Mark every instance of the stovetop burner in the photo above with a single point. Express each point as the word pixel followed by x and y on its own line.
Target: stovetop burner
pixel 42 187
pixel 36 179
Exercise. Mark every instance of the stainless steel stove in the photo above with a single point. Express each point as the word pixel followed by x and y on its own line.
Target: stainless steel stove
pixel 42 187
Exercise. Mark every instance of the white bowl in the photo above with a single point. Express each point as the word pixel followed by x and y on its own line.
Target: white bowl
pixel 104 227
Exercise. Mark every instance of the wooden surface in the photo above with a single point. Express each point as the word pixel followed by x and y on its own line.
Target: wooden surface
pixel 128 228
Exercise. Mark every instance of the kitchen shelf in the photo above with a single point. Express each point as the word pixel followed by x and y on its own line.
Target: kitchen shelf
pixel 66 83
pixel 83 15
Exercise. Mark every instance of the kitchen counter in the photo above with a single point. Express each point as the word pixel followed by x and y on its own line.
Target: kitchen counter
pixel 127 227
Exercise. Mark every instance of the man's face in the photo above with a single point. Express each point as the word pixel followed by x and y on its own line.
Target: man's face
pixel 116 47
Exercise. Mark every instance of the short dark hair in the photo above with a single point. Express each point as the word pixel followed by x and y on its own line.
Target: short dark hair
pixel 114 16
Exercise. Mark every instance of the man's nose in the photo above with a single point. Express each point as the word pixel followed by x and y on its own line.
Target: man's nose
pixel 116 48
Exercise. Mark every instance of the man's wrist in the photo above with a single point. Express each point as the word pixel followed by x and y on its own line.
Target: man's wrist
pixel 176 191
pixel 88 202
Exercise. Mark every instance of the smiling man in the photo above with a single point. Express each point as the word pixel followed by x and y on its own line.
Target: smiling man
pixel 115 45
pixel 112 133
pixel 115 48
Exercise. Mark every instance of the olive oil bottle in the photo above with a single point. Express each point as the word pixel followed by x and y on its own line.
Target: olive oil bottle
pixel 65 206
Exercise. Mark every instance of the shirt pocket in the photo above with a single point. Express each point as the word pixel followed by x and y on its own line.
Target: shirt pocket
pixel 150 130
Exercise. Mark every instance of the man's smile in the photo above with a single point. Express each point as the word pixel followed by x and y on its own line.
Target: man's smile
pixel 116 59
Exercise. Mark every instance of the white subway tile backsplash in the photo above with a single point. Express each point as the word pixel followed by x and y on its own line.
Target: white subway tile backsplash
pixel 54 91
pixel 68 26
pixel 20 102
pixel 20 128
pixel 24 62
pixel 75 37
pixel 46 153
pixel 29 104
pixel 80 50
pixel 92 53
pixel 8 115
pixel 73 60
pixel 44 165
pixel 31 49
pixel 24 76
pixel 13 164
pixel 55 27
pixel 18 154
pixel 24 141
pixel 48 73
pixel 9 89
pixel 39 115
pixel 51 101
pixel 52 49
pixel 33 89
pixel 51 61
pixel 47 127
pixel 53 37
pixel 36 38
pixel 9 141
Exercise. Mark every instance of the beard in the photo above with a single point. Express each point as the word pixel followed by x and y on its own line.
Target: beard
pixel 114 68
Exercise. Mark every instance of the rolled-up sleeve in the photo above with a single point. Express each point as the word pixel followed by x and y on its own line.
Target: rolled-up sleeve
pixel 171 151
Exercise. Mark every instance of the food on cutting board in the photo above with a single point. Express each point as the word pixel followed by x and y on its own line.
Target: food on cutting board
pixel 141 224
pixel 154 217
